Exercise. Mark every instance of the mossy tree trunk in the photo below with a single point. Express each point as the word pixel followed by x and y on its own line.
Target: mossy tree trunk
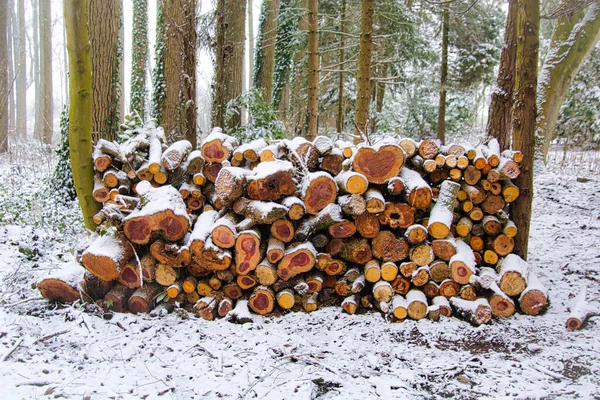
pixel 441 124
pixel 139 58
pixel 342 59
pixel 500 113
pixel 524 113
pixel 265 61
pixel 363 89
pixel 313 69
pixel 573 39
pixel 178 106
pixel 80 109
pixel 219 49
pixel 233 55
pixel 104 19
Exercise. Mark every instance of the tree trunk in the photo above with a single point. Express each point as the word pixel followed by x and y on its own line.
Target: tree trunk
pixel 139 59
pixel 233 55
pixel 219 84
pixel 35 59
pixel 573 40
pixel 80 109
pixel 10 9
pixel 121 66
pixel 340 101
pixel 103 24
pixel 4 88
pixel 363 88
pixel 21 74
pixel 250 42
pixel 500 113
pixel 313 69
pixel 379 95
pixel 178 107
pixel 441 125
pixel 266 50
pixel 524 112
pixel 46 87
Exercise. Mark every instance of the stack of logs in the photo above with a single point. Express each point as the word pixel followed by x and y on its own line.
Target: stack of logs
pixel 413 229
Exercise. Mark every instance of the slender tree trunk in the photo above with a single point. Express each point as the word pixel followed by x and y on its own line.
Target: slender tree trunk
pixel 139 59
pixel 21 73
pixel 178 110
pixel 10 9
pixel 4 89
pixel 297 89
pixel 342 59
pixel 500 111
pixel 264 74
pixel 379 95
pixel 219 84
pixel 80 108
pixel 235 33
pixel 363 95
pixel 572 42
pixel 103 23
pixel 46 87
pixel 250 43
pixel 524 113
pixel 35 60
pixel 441 125
pixel 121 66
pixel 313 69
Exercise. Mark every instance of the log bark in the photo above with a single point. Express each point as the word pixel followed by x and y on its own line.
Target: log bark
pixel 142 300
pixel 477 312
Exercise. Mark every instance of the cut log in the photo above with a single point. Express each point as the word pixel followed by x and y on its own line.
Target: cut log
pixel 166 275
pixel 378 163
pixel 503 245
pixel 343 287
pixel 342 229
pixel 449 288
pixel 353 204
pixel 372 271
pixel 468 292
pixel 359 284
pixel 395 186
pixel 283 230
pixel 329 215
pixel 194 162
pixel 418 192
pixel 271 181
pixel 397 215
pixel 416 304
pixel 247 251
pixel 429 148
pixel 409 146
pixel 63 284
pixel 399 307
pixel 301 153
pixel 444 249
pixel 295 206
pixel 262 300
pixel 422 254
pixel 201 232
pixel 225 307
pixel 131 274
pixel 534 298
pixel 275 250
pixel 374 201
pixel 462 264
pixel 491 225
pixel 513 275
pixel 171 254
pixel 420 276
pixel 310 302
pixel 323 144
pixel 162 209
pixel 250 151
pixel 356 250
pixel 116 299
pixel 443 304
pixel 298 258
pixel 475 194
pixel 332 162
pixel 258 212
pixel 246 281
pixel 477 312
pixel 464 226
pixel 367 225
pixel 175 154
pixel 350 304
pixel 314 282
pixel 510 192
pixel 507 169
pixel 580 311
pixel 431 289
pixel 232 290
pixel 318 190
pixel 286 299
pixel 440 219
pixel 206 308
pixel 334 267
pixel 214 258
pixel 218 147
pixel 100 191
pixel 230 185
pixel 492 204
pixel 383 291
pixel 223 232
pixel 416 234
pixel 106 256
pixel 387 247
pixel 439 271
pixel 389 271
pixel 351 182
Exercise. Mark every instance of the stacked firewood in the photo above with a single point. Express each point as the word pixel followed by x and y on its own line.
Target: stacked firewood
pixel 413 229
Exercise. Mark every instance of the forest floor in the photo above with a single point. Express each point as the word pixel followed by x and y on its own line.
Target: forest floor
pixel 49 351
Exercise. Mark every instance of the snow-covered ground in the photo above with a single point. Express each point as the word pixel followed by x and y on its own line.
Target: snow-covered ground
pixel 73 353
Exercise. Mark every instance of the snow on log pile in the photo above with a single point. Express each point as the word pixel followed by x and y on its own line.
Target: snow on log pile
pixel 412 229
